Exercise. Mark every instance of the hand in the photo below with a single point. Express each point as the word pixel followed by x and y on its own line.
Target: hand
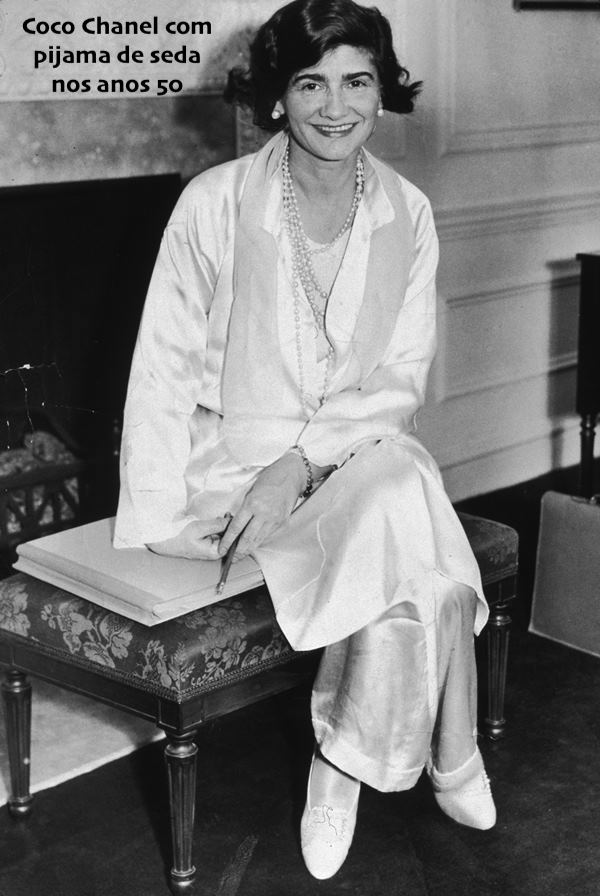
pixel 267 505
pixel 198 541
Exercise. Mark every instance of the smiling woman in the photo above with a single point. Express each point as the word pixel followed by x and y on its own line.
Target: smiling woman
pixel 297 37
pixel 331 108
pixel 282 357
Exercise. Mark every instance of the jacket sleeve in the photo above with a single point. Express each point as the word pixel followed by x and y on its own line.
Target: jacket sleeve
pixel 386 403
pixel 163 391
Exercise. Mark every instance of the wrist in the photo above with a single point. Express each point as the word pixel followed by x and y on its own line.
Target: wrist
pixel 308 480
pixel 295 469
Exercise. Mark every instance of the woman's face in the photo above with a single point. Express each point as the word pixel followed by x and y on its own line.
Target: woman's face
pixel 331 107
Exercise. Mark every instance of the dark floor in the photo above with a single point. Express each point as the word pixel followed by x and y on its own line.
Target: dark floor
pixel 105 834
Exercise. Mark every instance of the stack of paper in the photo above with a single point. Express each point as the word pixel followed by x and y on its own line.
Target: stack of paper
pixel 134 582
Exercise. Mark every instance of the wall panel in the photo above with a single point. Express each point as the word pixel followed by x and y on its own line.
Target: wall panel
pixel 507 146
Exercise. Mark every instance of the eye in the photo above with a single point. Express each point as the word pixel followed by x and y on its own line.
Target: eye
pixel 309 86
pixel 357 83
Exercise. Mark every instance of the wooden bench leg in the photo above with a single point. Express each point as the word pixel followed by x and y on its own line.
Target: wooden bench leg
pixel 180 755
pixel 498 632
pixel 16 690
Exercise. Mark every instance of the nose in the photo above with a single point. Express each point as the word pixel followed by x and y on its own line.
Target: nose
pixel 335 104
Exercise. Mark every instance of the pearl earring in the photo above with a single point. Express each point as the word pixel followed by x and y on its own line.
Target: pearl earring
pixel 380 112
pixel 275 114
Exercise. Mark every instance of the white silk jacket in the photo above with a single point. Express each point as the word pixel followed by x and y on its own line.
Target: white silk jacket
pixel 176 462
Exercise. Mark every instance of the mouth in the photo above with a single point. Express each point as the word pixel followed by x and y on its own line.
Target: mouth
pixel 334 130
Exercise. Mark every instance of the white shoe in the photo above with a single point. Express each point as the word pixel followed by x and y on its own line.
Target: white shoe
pixel 326 834
pixel 471 803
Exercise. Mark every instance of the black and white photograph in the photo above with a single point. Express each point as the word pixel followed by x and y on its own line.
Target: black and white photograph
pixel 299 483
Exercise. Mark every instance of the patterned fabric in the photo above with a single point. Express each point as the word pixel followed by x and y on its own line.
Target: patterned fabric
pixel 496 547
pixel 200 651
pixel 40 449
pixel 42 452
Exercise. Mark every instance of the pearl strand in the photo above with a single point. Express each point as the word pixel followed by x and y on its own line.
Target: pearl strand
pixel 358 191
pixel 302 266
pixel 303 271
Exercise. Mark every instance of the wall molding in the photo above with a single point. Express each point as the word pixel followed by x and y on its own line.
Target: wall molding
pixel 545 430
pixel 452 140
pixel 556 363
pixel 521 137
pixel 510 290
pixel 551 448
pixel 492 218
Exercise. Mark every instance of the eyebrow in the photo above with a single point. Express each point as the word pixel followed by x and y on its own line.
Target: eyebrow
pixel 314 76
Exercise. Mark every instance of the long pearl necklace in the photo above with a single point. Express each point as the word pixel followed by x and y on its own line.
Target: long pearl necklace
pixel 303 272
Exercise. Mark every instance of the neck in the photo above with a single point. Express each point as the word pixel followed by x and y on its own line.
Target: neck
pixel 316 176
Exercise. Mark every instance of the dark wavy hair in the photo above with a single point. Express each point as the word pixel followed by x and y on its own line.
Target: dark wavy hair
pixel 297 36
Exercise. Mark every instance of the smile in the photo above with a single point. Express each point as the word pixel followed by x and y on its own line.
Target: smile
pixel 334 130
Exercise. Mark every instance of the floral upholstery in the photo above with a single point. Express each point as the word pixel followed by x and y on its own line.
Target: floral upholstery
pixel 198 652
pixel 495 546
pixel 32 501
pixel 201 651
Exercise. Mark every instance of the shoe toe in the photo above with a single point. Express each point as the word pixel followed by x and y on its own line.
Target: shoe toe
pixel 326 835
pixel 471 805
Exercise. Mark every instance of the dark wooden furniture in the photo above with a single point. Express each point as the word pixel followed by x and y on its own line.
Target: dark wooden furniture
pixel 588 365
pixel 496 547
pixel 187 671
pixel 43 484
pixel 75 263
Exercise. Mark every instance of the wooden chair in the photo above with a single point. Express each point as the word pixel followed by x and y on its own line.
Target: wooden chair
pixel 38 494
pixel 186 671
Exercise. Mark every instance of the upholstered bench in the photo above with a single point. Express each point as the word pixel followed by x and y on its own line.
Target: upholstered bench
pixel 186 671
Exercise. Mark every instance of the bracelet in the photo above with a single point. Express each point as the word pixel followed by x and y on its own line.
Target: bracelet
pixel 309 476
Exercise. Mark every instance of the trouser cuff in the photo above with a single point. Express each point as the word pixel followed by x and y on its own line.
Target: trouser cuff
pixel 450 780
pixel 354 762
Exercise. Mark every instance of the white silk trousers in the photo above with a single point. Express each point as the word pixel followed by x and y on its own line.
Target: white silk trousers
pixel 402 692
pixel 376 568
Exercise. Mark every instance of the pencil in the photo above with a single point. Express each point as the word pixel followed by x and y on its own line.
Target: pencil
pixel 227 563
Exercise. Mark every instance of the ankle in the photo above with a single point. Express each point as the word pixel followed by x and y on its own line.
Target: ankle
pixel 443 781
pixel 329 785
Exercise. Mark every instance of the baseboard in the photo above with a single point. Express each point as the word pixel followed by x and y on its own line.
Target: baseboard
pixel 513 464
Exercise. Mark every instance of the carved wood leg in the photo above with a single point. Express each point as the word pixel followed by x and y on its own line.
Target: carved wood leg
pixel 180 755
pixel 16 691
pixel 498 632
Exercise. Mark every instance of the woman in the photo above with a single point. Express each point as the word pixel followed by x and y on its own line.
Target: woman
pixel 281 359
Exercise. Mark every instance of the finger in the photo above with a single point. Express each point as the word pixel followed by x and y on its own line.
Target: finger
pixel 158 547
pixel 214 526
pixel 248 538
pixel 206 550
pixel 201 548
pixel 255 533
pixel 269 528
pixel 191 549
pixel 237 525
